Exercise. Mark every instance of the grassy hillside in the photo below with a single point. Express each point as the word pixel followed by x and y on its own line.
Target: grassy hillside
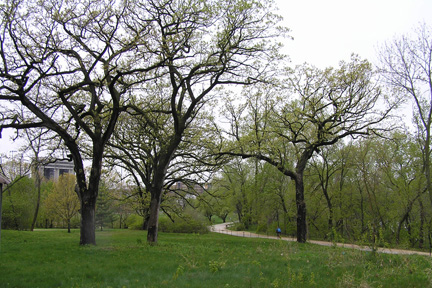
pixel 122 258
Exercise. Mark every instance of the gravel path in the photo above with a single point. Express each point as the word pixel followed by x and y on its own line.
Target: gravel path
pixel 222 228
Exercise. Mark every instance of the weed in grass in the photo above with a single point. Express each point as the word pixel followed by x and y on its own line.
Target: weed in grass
pixel 179 272
pixel 190 260
pixel 276 283
pixel 312 282
pixel 259 250
pixel 346 281
pixel 335 258
pixel 428 273
pixel 300 279
pixel 216 266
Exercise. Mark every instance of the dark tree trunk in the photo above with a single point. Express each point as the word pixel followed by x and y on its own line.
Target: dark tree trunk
pixel 209 217
pixel 239 210
pixel 69 225
pixel 363 229
pixel 153 223
pixel 299 187
pixel 14 214
pixel 422 221
pixel 329 206
pixel 146 220
pixel 223 217
pixel 88 224
pixel 88 195
pixel 145 224
pixel 301 210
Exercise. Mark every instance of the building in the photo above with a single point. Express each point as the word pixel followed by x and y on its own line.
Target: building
pixel 52 171
pixel 3 180
pixel 190 191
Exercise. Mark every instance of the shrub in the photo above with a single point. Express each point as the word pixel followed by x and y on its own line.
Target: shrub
pixel 182 225
pixel 238 227
pixel 134 222
pixel 262 228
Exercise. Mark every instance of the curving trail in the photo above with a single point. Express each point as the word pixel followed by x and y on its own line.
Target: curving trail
pixel 222 228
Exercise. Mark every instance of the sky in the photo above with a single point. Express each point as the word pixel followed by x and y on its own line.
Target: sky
pixel 328 31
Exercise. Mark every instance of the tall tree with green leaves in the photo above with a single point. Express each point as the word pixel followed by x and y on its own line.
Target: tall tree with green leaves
pixel 105 213
pixel 63 201
pixel 14 169
pixel 206 44
pixel 235 182
pixel 408 186
pixel 316 108
pixel 18 206
pixel 327 166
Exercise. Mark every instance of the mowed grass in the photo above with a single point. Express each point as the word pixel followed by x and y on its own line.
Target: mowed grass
pixel 122 258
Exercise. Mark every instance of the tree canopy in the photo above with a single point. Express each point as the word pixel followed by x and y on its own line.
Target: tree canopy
pixel 313 109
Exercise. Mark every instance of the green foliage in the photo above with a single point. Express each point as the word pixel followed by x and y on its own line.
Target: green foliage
pixel 134 222
pixel 18 205
pixel 105 214
pixel 179 272
pixel 45 215
pixel 216 266
pixel 374 238
pixel 335 237
pixel 238 227
pixel 258 194
pixel 261 228
pixel 369 180
pixel 186 224
pixel 62 202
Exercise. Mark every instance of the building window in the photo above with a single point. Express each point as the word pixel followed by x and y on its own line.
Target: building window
pixel 49 173
pixel 63 171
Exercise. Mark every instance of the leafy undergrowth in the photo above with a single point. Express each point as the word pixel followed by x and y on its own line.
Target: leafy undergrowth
pixel 122 258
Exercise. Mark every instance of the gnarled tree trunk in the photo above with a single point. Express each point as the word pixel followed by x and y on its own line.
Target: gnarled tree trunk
pixel 153 223
pixel 301 210
pixel 88 223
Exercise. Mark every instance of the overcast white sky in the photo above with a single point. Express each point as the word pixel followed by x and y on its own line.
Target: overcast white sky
pixel 328 31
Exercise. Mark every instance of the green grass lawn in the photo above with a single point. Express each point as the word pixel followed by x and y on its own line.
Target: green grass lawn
pixel 122 258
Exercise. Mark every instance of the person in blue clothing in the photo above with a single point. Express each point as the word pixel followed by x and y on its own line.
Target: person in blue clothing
pixel 278 232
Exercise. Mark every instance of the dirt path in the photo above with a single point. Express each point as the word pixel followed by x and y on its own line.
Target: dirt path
pixel 222 228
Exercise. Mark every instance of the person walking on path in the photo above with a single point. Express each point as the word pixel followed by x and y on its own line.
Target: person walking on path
pixel 278 232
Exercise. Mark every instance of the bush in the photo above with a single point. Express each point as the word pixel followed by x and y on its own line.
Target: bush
pixel 261 228
pixel 134 222
pixel 238 227
pixel 182 225
pixel 18 205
